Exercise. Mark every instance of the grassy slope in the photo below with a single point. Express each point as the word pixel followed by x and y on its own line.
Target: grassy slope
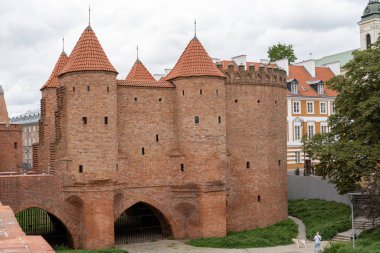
pixel 369 242
pixel 328 217
pixel 277 234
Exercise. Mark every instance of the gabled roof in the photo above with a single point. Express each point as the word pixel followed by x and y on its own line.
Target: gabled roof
pixel 303 77
pixel 139 73
pixel 194 61
pixel 52 82
pixel 88 55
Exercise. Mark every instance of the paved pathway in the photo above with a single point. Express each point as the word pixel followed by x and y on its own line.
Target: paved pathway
pixel 177 246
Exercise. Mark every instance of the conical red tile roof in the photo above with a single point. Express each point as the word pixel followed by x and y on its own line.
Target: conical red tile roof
pixel 194 61
pixel 88 55
pixel 52 82
pixel 139 73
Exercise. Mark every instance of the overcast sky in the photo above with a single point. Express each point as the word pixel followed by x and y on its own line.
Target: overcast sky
pixel 31 33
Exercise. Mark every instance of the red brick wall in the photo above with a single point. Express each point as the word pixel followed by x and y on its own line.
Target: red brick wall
pixel 10 155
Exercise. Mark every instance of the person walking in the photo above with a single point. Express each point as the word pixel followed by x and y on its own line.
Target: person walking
pixel 317 242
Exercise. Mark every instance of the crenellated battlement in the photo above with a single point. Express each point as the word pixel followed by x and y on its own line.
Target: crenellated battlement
pixel 267 75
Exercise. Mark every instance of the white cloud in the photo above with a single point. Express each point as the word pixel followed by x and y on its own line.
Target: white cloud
pixel 31 32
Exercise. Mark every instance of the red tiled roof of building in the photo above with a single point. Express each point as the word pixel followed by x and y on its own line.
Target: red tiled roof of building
pixel 52 82
pixel 303 76
pixel 88 55
pixel 194 61
pixel 146 83
pixel 139 73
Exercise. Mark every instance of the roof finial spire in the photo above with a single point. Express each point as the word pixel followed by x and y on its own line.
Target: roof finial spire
pixel 137 50
pixel 195 28
pixel 63 44
pixel 89 15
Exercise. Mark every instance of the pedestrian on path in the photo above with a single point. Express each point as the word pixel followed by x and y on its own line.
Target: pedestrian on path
pixel 317 242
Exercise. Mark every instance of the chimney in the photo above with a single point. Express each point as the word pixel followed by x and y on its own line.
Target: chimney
pixel 334 67
pixel 264 61
pixel 283 64
pixel 240 60
pixel 309 65
pixel 215 60
pixel 158 76
pixel 4 118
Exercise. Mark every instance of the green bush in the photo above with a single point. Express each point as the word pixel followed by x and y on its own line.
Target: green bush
pixel 278 234
pixel 327 217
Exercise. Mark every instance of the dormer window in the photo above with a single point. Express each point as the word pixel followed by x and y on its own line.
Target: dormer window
pixel 320 89
pixel 293 87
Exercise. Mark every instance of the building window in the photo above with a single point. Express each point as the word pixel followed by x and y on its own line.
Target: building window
pixel 310 107
pixel 323 107
pixel 196 119
pixel 80 168
pixel 368 41
pixel 182 167
pixel 219 119
pixel 320 89
pixel 84 120
pixel 294 88
pixel 88 88
pixel 143 151
pixel 310 131
pixel 333 110
pixel 15 145
pixel 248 165
pixel 298 156
pixel 296 107
pixel 324 129
pixel 106 120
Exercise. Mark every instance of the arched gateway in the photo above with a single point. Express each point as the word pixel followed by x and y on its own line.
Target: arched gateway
pixel 36 221
pixel 141 223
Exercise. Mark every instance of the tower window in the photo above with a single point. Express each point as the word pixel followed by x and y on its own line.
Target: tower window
pixel 157 138
pixel 200 91
pixel 182 167
pixel 108 89
pixel 183 93
pixel 135 99
pixel 219 119
pixel 279 162
pixel 84 120
pixel 236 100
pixel 258 198
pixel 248 165
pixel 143 151
pixel 368 40
pixel 73 89
pixel 88 88
pixel 275 101
pixel 160 99
pixel 196 119
pixel 217 92
pixel 258 101
pixel 15 145
pixel 106 120
pixel 80 168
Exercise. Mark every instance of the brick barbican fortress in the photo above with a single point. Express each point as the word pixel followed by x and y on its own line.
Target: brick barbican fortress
pixel 204 148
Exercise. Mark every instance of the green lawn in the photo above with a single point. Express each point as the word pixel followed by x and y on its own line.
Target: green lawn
pixel 369 242
pixel 277 234
pixel 327 217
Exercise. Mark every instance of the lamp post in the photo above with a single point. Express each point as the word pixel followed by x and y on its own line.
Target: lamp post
pixel 351 195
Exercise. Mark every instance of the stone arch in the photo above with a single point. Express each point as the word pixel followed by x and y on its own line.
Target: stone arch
pixel 170 216
pixel 74 209
pixel 26 214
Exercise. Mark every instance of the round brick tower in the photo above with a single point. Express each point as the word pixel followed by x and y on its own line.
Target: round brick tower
pixel 200 128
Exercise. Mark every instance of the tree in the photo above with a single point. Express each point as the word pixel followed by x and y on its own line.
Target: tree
pixel 281 51
pixel 350 153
